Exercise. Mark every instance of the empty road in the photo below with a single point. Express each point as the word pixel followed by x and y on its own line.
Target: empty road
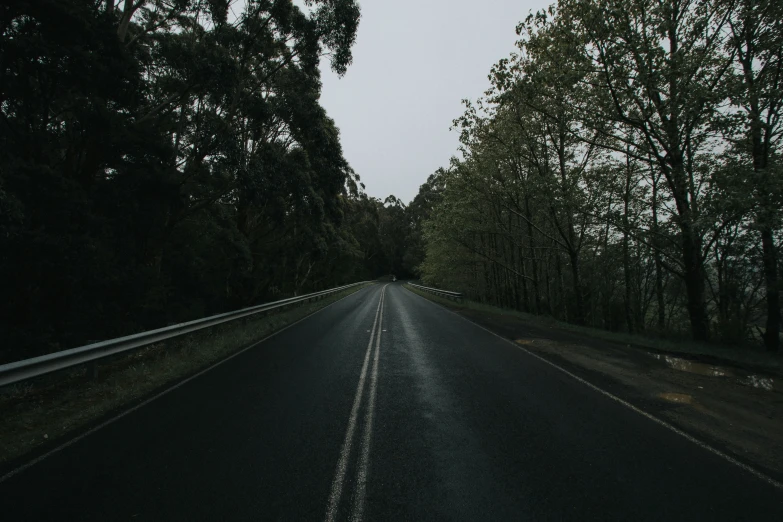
pixel 385 406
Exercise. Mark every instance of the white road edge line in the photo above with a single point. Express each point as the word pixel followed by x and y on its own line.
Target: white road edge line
pixel 122 414
pixel 758 474
pixel 345 451
pixel 362 469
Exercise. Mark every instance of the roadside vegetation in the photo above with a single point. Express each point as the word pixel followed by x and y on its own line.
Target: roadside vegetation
pixel 42 412
pixel 752 359
pixel 623 172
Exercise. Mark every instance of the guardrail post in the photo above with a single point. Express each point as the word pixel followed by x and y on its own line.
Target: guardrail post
pixel 92 367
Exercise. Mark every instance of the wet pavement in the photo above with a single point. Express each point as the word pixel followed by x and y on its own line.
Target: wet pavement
pixel 738 410
pixel 465 426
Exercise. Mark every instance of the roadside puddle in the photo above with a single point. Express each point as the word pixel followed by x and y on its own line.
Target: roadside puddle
pixel 685 365
pixel 757 381
pixel 679 398
pixel 710 370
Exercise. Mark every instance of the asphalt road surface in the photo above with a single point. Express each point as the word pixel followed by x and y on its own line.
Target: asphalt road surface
pixel 385 406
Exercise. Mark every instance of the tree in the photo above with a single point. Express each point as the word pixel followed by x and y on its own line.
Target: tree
pixel 164 160
pixel 755 82
pixel 660 72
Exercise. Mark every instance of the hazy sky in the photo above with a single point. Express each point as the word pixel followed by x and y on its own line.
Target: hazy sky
pixel 414 61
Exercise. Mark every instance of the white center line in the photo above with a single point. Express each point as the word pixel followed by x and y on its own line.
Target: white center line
pixel 345 451
pixel 362 469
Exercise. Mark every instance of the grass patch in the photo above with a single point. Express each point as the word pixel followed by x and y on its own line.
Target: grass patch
pixel 36 413
pixel 748 357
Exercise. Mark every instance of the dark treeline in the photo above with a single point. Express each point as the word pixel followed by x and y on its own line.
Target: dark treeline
pixel 624 172
pixel 164 160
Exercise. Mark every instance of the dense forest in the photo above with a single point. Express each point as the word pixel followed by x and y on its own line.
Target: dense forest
pixel 163 160
pixel 623 172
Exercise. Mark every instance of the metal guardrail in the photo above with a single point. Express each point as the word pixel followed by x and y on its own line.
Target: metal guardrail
pixel 443 293
pixel 37 366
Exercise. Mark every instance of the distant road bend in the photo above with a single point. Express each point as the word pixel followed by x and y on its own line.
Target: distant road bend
pixel 386 406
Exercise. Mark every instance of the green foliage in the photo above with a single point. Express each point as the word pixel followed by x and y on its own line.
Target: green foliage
pixel 623 171
pixel 161 161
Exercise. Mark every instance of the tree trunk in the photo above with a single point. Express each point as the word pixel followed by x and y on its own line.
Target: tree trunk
pixel 522 266
pixel 627 275
pixel 579 317
pixel 772 333
pixel 549 309
pixel 561 286
pixel 694 284
pixel 525 295
pixel 657 255
pixel 629 317
pixel 659 292
pixel 690 248
pixel 533 263
pixel 127 14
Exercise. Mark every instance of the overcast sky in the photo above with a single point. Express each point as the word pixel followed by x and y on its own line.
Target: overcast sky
pixel 413 62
